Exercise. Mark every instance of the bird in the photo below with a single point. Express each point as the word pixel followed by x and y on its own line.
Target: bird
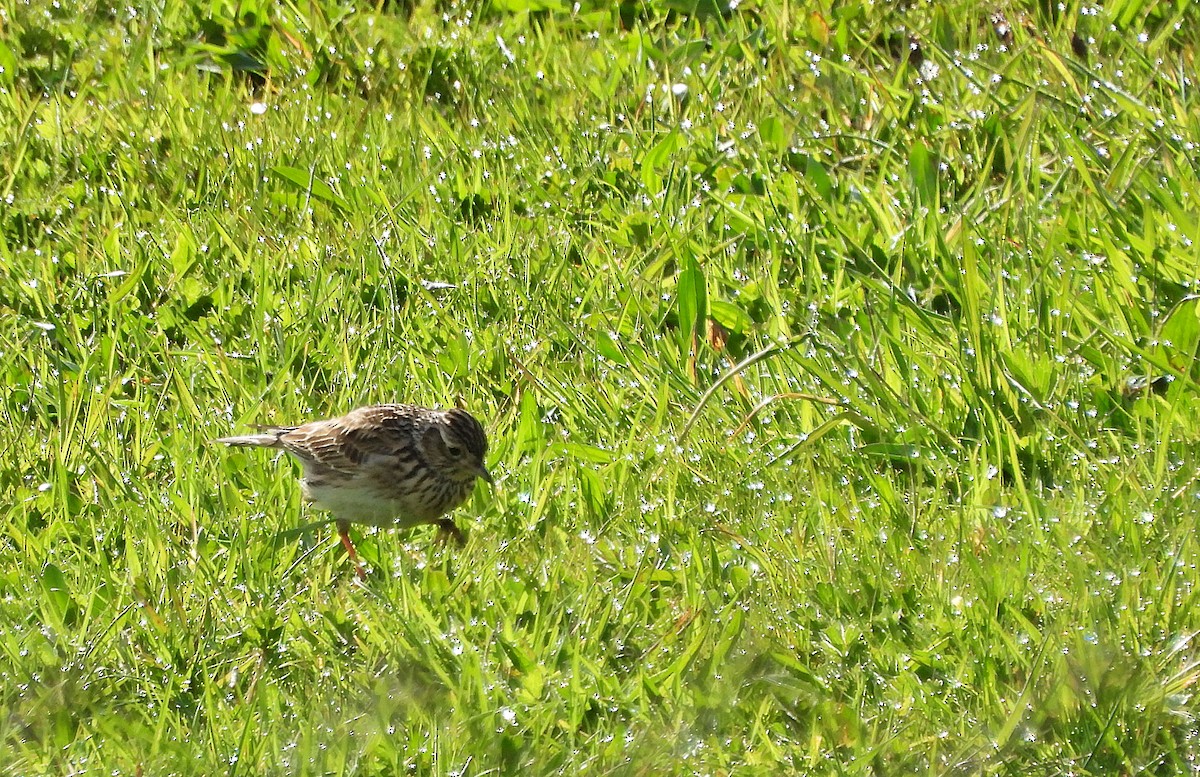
pixel 393 465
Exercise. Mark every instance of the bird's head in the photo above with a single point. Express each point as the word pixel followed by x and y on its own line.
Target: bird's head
pixel 456 445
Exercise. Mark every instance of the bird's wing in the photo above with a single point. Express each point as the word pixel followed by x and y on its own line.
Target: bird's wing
pixel 365 436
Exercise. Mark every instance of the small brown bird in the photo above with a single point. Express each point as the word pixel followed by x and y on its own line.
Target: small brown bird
pixel 384 465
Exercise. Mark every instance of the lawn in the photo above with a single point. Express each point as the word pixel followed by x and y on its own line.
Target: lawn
pixel 839 363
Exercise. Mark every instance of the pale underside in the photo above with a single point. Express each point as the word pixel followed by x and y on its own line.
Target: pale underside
pixel 373 493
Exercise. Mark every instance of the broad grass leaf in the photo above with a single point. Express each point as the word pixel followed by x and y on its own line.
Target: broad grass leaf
pixel 130 282
pixel 607 347
pixel 454 358
pixel 8 64
pixel 658 156
pixel 635 230
pixel 642 44
pixel 183 255
pixel 753 184
pixel 1060 67
pixel 924 175
pixel 310 184
pixel 1180 335
pixel 691 302
pixel 789 663
pixel 583 452
pixel 730 316
pixel 729 636
pixel 815 172
pixel 972 285
pixel 1036 375
pixel 58 595
pixel 773 133
pixel 529 423
pixel 901 453
pixel 528 671
pixel 595 494
pixel 818 28
pixel 690 51
pixel 674 673
pixel 112 246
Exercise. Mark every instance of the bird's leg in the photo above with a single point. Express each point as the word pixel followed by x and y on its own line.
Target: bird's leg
pixel 343 528
pixel 447 530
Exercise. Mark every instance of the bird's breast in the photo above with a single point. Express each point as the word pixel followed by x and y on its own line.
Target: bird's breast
pixel 385 497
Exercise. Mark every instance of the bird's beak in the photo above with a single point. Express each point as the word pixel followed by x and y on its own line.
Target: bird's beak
pixel 483 473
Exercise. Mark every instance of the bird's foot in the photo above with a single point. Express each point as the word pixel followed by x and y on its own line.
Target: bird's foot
pixel 344 533
pixel 448 531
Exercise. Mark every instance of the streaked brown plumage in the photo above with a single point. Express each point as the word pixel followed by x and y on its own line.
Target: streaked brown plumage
pixel 384 465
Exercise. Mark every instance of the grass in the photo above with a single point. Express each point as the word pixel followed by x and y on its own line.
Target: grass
pixel 811 342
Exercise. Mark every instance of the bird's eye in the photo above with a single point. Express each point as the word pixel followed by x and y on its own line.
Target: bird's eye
pixel 454 450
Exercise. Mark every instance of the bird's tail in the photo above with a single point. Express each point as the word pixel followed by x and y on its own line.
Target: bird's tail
pixel 268 437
